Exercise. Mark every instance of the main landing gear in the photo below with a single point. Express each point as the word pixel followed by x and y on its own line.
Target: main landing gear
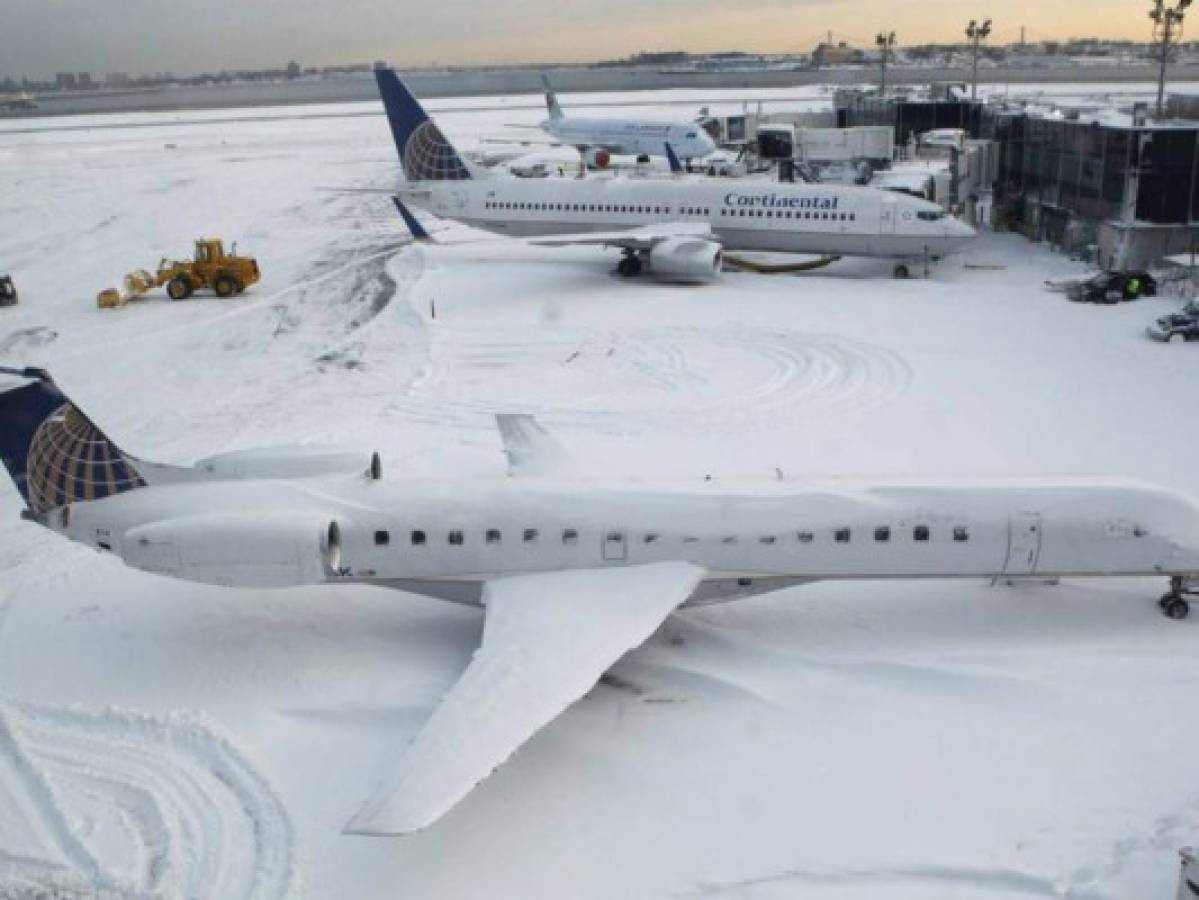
pixel 901 271
pixel 630 265
pixel 1174 604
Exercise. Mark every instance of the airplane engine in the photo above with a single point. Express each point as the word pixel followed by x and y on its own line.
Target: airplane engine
pixel 687 260
pixel 261 551
pixel 597 158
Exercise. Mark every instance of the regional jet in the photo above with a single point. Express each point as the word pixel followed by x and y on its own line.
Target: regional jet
pixel 597 139
pixel 819 219
pixel 570 576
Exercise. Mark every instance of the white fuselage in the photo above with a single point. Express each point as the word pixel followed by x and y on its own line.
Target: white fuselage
pixel 445 538
pixel 744 215
pixel 631 137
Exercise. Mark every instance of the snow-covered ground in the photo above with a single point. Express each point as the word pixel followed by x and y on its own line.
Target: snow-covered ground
pixel 908 740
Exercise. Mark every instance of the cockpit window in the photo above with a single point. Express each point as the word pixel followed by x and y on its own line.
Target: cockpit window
pixel 929 215
pixel 690 134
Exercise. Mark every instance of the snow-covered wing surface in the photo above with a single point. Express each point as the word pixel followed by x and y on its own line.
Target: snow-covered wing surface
pixel 547 639
pixel 531 450
pixel 645 238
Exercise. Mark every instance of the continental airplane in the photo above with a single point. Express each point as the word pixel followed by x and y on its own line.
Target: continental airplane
pixel 570 576
pixel 826 220
pixel 596 138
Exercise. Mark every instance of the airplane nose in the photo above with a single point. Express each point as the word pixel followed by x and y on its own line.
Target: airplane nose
pixel 958 231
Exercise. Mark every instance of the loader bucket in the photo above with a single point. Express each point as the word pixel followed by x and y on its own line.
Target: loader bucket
pixel 109 299
pixel 138 282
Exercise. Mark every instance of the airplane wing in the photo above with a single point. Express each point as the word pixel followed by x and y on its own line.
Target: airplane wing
pixel 547 639
pixel 644 238
pixel 530 449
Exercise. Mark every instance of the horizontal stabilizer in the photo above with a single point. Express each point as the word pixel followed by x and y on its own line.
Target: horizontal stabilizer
pixel 530 449
pixel 547 640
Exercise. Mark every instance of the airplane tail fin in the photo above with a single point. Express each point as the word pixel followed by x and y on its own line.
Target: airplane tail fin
pixel 425 154
pixel 551 101
pixel 53 452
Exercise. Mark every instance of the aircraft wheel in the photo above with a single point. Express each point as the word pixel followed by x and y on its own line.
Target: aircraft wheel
pixel 901 271
pixel 629 266
pixel 1176 608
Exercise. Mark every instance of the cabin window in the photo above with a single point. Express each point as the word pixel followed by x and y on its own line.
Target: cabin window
pixel 705 210
pixel 651 538
pixel 960 533
pixel 614 537
pixel 804 537
pixel 767 539
pixel 882 534
pixel 382 538
pixel 841 535
pixel 418 539
pixel 690 540
pixel 570 537
pixel 530 535
pixel 455 538
pixel 769 214
pixel 731 539
pixel 920 533
pixel 494 536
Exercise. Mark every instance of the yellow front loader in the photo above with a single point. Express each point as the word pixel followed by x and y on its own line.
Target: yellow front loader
pixel 213 269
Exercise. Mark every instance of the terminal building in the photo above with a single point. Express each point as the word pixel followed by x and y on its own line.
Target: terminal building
pixel 1112 186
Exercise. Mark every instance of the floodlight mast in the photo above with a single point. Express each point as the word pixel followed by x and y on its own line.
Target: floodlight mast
pixel 977 34
pixel 886 45
pixel 1167 27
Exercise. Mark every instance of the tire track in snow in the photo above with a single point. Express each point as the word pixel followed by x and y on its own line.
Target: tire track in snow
pixel 686 378
pixel 135 806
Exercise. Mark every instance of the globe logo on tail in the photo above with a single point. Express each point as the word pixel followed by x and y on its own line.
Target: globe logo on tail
pixel 428 156
pixel 71 461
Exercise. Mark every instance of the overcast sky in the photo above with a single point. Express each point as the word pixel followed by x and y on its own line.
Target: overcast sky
pixel 40 37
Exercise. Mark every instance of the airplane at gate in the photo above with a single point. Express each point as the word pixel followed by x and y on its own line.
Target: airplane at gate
pixel 571 576
pixel 631 137
pixel 820 219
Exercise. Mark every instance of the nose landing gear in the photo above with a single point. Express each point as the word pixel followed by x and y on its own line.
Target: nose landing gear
pixel 1174 603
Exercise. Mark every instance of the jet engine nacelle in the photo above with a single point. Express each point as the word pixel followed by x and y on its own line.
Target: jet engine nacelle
pixel 687 260
pixel 239 550
pixel 597 158
pixel 290 462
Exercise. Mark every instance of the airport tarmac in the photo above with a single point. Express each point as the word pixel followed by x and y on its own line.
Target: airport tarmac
pixel 894 740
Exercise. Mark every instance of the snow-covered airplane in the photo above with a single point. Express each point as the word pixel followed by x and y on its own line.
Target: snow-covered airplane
pixel 597 138
pixel 819 219
pixel 570 575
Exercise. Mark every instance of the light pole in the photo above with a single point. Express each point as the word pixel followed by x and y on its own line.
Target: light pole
pixel 977 34
pixel 1167 26
pixel 886 44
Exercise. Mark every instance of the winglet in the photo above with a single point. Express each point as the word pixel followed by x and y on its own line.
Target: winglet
pixel 675 166
pixel 412 223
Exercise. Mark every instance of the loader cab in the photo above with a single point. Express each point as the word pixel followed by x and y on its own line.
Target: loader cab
pixel 209 251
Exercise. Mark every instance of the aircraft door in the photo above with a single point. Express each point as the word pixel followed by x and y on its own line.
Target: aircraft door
pixel 1024 544
pixel 887 216
pixel 616 547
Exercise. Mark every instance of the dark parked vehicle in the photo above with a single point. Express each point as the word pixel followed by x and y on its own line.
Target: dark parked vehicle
pixel 8 291
pixel 1113 287
pixel 1182 325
